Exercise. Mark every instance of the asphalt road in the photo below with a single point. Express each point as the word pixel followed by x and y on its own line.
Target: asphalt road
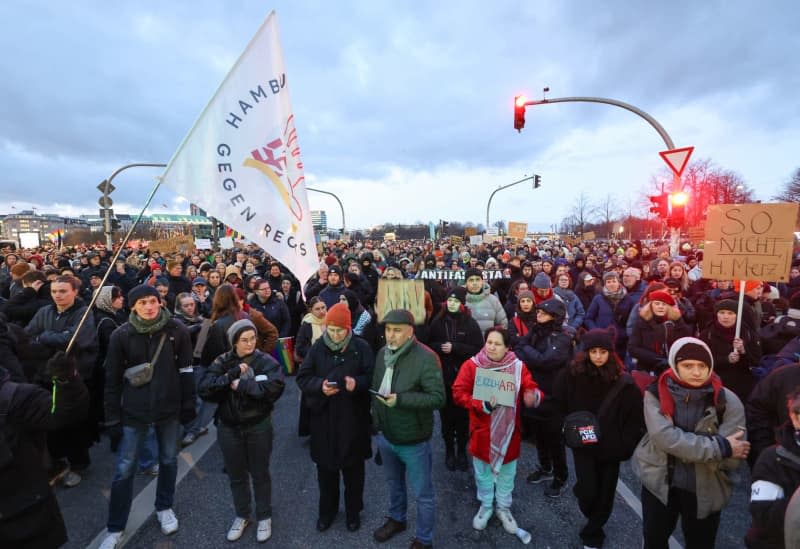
pixel 204 507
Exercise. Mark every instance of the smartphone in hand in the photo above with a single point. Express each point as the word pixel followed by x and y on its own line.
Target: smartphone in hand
pixel 377 394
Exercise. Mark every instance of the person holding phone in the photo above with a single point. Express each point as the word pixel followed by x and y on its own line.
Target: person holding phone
pixel 695 438
pixel 335 378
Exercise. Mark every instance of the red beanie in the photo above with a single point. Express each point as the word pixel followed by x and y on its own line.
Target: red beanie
pixel 749 285
pixel 662 296
pixel 339 316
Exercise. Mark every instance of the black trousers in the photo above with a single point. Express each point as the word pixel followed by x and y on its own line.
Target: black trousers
pixel 550 447
pixel 246 452
pixel 659 520
pixel 455 425
pixel 328 480
pixel 595 490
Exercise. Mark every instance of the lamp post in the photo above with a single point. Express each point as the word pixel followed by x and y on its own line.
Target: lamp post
pixel 344 229
pixel 488 204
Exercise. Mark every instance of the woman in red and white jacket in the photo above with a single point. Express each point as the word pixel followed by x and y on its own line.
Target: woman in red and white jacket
pixel 494 427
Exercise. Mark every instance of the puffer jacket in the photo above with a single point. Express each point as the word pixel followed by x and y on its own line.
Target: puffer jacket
pixel 545 350
pixel 417 382
pixel 258 390
pixel 664 441
pixel 50 331
pixel 486 309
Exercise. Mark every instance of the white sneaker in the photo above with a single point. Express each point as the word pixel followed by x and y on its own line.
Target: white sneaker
pixel 481 518
pixel 505 516
pixel 111 541
pixel 168 521
pixel 237 528
pixel 264 530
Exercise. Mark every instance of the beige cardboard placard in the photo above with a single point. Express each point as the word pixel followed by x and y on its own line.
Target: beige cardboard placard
pixel 491 383
pixel 749 241
pixel 401 294
pixel 517 230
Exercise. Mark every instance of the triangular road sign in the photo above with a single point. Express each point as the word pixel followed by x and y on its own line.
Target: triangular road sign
pixel 677 159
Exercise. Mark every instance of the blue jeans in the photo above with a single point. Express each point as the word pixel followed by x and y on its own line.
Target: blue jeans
pixel 133 439
pixel 205 410
pixel 149 454
pixel 413 461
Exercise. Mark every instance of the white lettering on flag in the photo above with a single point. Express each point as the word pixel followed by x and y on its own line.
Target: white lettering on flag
pixel 241 160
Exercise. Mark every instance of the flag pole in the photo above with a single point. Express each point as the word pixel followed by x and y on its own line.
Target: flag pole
pixel 119 248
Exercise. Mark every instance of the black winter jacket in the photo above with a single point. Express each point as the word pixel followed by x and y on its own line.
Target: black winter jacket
pixel 463 332
pixel 775 477
pixel 253 400
pixel 651 339
pixel 621 428
pixel 29 510
pixel 50 331
pixel 340 425
pixel 736 376
pixel 545 350
pixel 766 407
pixel 172 388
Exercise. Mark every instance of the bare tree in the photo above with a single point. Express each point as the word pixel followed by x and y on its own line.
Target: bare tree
pixel 791 190
pixel 581 212
pixel 605 210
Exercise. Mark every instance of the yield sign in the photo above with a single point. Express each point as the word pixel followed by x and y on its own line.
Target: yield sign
pixel 677 159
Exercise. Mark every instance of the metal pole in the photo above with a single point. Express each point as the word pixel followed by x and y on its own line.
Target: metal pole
pixel 488 204
pixel 627 106
pixel 675 233
pixel 119 249
pixel 344 227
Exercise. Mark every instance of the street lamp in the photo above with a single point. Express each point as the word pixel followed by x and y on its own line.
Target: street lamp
pixel 536 185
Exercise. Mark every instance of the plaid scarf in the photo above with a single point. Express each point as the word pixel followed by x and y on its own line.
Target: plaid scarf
pixel 503 417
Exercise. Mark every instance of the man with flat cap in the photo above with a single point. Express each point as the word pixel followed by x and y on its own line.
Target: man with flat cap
pixel 408 387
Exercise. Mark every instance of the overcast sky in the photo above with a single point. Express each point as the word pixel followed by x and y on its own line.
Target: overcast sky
pixel 404 109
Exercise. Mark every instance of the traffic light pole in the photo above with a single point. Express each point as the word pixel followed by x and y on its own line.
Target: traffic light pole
pixel 344 227
pixel 676 180
pixel 488 204
pixel 107 190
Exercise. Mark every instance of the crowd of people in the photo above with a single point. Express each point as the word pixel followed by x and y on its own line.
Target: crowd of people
pixel 616 350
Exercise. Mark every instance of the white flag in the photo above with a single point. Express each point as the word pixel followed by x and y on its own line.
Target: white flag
pixel 241 160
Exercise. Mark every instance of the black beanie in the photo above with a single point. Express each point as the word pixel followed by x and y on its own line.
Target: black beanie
pixel 460 293
pixel 598 338
pixel 727 305
pixel 140 291
pixel 690 348
pixel 472 271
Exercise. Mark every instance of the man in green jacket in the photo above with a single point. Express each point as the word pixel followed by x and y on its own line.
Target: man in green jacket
pixel 408 387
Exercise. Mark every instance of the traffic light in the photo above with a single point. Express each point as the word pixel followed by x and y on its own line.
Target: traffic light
pixel 114 224
pixel 537 181
pixel 677 213
pixel 519 112
pixel 660 205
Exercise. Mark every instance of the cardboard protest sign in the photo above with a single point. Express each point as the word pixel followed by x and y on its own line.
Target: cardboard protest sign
pixel 749 241
pixel 491 383
pixel 475 239
pixel 401 294
pixel 589 235
pixel 169 246
pixel 517 230
pixel 202 243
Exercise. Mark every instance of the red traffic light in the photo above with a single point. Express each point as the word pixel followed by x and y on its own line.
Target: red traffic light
pixel 660 205
pixel 519 112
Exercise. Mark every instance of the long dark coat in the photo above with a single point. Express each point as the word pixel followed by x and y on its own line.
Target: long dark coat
pixel 339 424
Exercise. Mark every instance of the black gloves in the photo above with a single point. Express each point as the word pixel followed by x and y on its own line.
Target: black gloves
pixel 61 366
pixel 234 373
pixel 114 436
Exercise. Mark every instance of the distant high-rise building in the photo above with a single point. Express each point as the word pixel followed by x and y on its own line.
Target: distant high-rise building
pixel 319 220
pixel 194 209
